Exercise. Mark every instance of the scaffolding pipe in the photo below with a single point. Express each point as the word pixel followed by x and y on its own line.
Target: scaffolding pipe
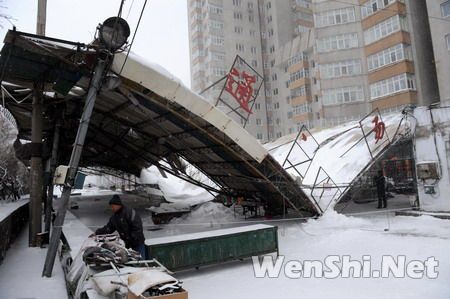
pixel 74 161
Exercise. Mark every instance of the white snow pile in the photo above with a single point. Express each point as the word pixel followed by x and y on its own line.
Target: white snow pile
pixel 171 207
pixel 332 220
pixel 334 142
pixel 176 190
pixel 207 213
pixel 416 238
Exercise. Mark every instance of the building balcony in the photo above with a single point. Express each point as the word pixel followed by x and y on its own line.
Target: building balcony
pixel 295 101
pixel 299 83
pixel 387 42
pixel 396 8
pixel 391 70
pixel 399 99
pixel 303 64
pixel 301 118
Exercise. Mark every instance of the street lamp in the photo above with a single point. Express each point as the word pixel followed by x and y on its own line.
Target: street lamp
pixel 113 33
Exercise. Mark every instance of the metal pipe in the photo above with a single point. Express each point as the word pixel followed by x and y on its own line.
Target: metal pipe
pixel 36 182
pixel 41 17
pixel 73 164
pixel 53 159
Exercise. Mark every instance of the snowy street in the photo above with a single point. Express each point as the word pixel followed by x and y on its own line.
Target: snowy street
pixel 376 234
pixel 414 237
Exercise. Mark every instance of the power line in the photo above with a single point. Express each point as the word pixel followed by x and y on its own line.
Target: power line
pixel 134 35
pixel 129 10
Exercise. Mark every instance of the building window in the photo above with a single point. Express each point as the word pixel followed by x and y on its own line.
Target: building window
pixel 217 56
pixel 258 122
pixel 218 72
pixel 217 40
pixel 276 106
pixel 340 69
pixel 215 9
pixel 372 6
pixel 254 63
pixel 335 17
pixel 392 85
pixel 342 95
pixel 253 50
pixel 240 47
pixel 445 8
pixel 295 59
pixel 237 2
pixel 448 41
pixel 302 109
pixel 237 16
pixel 216 25
pixel 250 5
pixel 385 28
pixel 299 91
pixel 257 106
pixel 303 73
pixel 389 56
pixel 338 42
pixel 259 136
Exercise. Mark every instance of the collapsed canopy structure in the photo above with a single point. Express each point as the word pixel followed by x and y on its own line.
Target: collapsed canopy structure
pixel 142 117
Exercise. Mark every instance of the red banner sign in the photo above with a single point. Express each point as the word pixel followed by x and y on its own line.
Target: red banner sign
pixel 379 129
pixel 240 86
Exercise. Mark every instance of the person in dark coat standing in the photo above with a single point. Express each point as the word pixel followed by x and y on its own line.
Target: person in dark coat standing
pixel 380 182
pixel 127 223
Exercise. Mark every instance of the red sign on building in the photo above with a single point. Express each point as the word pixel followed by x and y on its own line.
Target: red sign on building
pixel 240 86
pixel 379 128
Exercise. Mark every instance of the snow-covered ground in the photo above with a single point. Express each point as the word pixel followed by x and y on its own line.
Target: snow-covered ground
pixel 417 238
pixel 21 273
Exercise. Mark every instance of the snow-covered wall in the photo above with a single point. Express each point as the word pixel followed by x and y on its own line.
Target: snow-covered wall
pixel 432 144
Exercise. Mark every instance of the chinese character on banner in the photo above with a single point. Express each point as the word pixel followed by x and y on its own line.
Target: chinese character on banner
pixel 379 129
pixel 304 137
pixel 240 86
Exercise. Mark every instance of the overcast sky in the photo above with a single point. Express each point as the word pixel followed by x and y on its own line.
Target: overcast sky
pixel 162 36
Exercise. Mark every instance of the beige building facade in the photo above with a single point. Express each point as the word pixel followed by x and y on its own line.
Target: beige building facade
pixel 324 62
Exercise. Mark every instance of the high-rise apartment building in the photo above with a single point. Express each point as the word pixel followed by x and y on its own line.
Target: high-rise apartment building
pixel 324 62
pixel 253 29
pixel 439 18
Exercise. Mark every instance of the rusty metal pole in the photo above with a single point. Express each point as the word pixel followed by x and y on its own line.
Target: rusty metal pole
pixel 52 166
pixel 36 183
pixel 41 17
pixel 77 150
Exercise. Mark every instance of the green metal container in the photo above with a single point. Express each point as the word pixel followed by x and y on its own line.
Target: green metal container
pixel 218 246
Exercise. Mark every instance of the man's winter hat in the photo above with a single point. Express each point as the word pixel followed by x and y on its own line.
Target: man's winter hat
pixel 115 200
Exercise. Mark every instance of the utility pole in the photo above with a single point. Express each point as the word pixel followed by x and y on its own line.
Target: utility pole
pixel 51 170
pixel 74 160
pixel 36 183
pixel 109 44
pixel 41 17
